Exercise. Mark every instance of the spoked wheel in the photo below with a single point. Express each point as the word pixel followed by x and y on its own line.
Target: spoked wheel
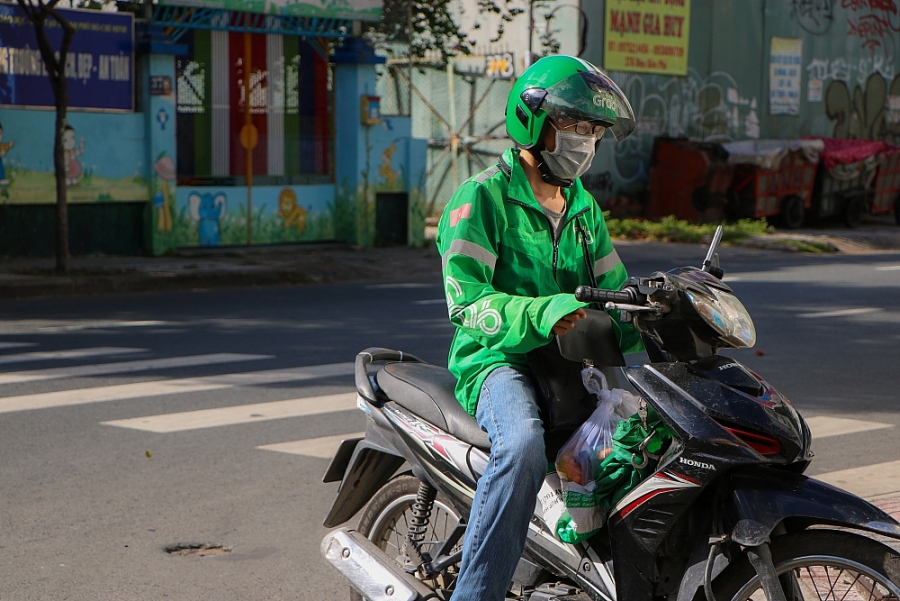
pixel 386 520
pixel 820 565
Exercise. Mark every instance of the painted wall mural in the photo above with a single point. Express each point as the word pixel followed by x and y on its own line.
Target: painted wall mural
pixel 209 216
pixel 103 154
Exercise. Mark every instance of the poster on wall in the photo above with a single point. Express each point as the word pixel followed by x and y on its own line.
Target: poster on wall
pixel 365 10
pixel 99 64
pixel 786 58
pixel 643 36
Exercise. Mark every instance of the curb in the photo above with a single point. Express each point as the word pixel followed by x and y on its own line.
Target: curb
pixel 26 287
pixel 222 268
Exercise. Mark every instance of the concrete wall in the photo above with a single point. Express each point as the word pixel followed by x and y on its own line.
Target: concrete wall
pixel 849 83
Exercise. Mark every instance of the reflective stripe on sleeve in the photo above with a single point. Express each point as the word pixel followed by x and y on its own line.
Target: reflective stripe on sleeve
pixel 472 250
pixel 607 263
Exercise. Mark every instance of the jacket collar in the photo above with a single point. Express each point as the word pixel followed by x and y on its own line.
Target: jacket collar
pixel 520 190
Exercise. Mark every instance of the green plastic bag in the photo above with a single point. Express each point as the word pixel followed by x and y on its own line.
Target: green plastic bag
pixel 616 475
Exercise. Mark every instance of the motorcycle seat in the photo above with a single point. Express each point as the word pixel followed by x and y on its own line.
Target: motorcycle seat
pixel 428 391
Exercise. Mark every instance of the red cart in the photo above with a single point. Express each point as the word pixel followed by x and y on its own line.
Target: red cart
pixel 886 197
pixel 688 180
pixel 773 178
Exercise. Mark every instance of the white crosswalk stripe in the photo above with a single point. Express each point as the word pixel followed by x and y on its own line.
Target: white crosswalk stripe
pixel 823 426
pixel 229 416
pixel 81 353
pixel 871 481
pixel 81 396
pixel 868 481
pixel 8 345
pixel 323 448
pixel 124 367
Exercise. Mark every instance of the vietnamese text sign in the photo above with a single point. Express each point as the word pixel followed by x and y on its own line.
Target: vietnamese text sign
pixel 366 10
pixel 785 60
pixel 99 64
pixel 647 36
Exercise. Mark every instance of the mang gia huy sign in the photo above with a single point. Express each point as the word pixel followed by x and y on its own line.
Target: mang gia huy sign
pixel 99 64
pixel 647 36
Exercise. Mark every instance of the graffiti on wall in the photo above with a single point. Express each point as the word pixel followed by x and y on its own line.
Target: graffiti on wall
pixel 814 16
pixel 703 108
pixel 869 112
pixel 875 22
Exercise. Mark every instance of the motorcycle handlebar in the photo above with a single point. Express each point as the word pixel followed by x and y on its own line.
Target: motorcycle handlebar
pixel 586 294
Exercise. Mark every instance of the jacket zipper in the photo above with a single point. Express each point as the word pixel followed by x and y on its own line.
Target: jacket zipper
pixel 552 236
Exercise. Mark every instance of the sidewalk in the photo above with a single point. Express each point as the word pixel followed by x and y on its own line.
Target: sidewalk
pixel 326 263
pixel 219 267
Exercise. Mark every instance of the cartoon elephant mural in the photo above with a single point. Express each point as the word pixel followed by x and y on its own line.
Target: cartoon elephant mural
pixel 207 209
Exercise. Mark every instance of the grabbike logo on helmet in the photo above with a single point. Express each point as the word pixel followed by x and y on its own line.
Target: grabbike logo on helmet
pixel 605 101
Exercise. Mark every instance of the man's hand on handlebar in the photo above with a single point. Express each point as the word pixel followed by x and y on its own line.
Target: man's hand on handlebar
pixel 568 322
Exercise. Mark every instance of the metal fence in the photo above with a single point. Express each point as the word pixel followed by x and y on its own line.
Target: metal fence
pixel 461 114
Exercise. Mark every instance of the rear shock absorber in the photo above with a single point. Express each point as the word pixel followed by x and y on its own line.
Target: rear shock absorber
pixel 421 511
pixel 418 525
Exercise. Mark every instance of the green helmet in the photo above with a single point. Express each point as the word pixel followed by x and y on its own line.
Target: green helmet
pixel 564 86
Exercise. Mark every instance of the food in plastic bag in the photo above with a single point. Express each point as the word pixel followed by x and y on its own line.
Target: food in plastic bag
pixel 582 454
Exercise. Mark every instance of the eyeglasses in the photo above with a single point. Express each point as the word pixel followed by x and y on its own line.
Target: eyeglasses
pixel 582 128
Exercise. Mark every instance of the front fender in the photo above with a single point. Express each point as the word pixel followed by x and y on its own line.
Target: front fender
pixel 762 498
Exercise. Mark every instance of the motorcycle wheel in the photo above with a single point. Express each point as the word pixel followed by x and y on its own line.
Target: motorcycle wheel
pixel 822 565
pixel 386 518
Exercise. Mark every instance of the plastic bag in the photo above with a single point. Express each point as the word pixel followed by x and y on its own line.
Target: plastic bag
pixel 625 403
pixel 582 455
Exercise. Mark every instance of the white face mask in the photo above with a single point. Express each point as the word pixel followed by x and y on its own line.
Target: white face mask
pixel 573 155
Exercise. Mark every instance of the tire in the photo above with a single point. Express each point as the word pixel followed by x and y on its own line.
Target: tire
pixel 897 209
pixel 814 559
pixel 792 212
pixel 392 504
pixel 853 211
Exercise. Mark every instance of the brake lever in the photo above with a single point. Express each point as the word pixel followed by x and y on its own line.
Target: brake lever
pixel 652 307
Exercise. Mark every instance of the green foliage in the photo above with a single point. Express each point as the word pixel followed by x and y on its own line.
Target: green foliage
pixel 433 26
pixel 807 246
pixel 670 229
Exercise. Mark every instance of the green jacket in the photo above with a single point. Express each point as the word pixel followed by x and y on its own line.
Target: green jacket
pixel 507 282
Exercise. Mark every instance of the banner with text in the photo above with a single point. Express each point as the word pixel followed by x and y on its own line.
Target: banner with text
pixel 364 10
pixel 785 64
pixel 99 64
pixel 647 36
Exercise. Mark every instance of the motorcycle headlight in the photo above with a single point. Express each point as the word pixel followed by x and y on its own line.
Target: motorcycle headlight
pixel 724 313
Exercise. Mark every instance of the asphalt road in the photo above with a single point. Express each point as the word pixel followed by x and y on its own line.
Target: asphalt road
pixel 100 470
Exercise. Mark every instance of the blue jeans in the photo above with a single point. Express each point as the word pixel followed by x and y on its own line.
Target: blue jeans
pixel 506 493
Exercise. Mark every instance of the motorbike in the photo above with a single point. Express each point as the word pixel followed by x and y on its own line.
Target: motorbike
pixel 727 514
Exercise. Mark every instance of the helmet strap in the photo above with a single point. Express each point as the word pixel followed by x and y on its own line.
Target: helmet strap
pixel 546 175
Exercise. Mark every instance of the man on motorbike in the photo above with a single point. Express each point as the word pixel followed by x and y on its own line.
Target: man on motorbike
pixel 516 240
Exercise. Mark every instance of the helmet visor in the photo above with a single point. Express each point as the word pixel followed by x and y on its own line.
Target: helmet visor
pixel 590 96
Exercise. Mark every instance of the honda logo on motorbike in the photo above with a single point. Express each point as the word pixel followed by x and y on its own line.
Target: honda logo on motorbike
pixel 698 464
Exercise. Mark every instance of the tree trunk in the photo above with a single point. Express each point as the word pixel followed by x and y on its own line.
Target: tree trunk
pixel 60 167
pixel 38 11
